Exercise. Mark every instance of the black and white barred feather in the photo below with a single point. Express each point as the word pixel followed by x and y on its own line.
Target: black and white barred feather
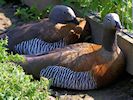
pixel 37 46
pixel 65 78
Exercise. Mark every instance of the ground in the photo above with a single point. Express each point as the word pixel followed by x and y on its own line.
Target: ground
pixel 121 90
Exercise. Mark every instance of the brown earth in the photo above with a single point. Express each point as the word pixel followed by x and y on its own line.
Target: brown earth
pixel 121 90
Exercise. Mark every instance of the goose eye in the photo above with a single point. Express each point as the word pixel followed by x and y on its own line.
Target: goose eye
pixel 118 26
pixel 109 19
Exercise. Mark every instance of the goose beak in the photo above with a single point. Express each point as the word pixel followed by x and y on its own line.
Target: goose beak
pixel 74 21
pixel 118 26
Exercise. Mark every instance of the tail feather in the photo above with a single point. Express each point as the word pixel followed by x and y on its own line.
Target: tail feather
pixel 66 78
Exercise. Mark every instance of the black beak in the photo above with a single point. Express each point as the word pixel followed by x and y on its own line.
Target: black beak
pixel 118 25
pixel 75 21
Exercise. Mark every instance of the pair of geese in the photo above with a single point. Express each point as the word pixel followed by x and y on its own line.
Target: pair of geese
pixel 52 50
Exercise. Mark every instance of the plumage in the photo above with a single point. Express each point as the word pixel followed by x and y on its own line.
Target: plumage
pixel 66 78
pixel 62 24
pixel 105 62
pixel 37 46
pixel 30 45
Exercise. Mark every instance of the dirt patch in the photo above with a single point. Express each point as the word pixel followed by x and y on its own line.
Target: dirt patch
pixel 7 18
pixel 4 22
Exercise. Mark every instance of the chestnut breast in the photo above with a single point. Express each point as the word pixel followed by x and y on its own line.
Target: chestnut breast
pixel 47 31
pixel 90 57
pixel 105 66
pixel 78 57
pixel 69 32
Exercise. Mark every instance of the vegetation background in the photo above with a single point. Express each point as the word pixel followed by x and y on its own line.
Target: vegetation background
pixel 100 7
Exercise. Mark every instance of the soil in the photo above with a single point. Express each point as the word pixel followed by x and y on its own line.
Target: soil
pixel 120 90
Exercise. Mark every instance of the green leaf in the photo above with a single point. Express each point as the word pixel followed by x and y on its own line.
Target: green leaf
pixel 14 83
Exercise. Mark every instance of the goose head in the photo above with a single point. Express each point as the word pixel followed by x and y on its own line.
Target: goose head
pixel 112 22
pixel 63 14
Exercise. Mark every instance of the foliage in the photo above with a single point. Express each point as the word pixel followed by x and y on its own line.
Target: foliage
pixel 81 5
pixel 14 84
pixel 122 7
pixel 13 1
pixel 31 13
pixel 2 2
pixel 5 56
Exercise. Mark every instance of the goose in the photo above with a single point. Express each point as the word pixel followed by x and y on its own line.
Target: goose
pixel 82 66
pixel 60 29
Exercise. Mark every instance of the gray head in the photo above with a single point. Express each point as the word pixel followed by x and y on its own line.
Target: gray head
pixel 112 22
pixel 62 14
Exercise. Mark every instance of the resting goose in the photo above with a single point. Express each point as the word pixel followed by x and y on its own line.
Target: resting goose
pixel 61 28
pixel 82 66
